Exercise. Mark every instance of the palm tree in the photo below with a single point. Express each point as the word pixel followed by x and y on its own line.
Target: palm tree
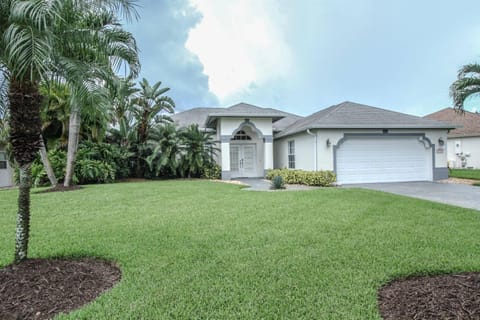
pixel 29 53
pixel 123 92
pixel 164 144
pixel 100 47
pixel 198 149
pixel 466 85
pixel 25 52
pixel 148 108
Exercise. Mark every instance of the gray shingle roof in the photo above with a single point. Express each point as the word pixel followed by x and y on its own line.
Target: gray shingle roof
pixel 206 117
pixel 358 116
pixel 245 110
pixel 192 116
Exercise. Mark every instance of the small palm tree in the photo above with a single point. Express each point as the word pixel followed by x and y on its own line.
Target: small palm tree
pixel 466 85
pixel 163 147
pixel 198 149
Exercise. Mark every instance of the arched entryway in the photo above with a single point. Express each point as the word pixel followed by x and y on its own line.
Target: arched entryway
pixel 246 152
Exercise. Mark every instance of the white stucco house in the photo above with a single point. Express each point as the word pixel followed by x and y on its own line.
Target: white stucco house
pixel 359 143
pixel 463 143
pixel 6 172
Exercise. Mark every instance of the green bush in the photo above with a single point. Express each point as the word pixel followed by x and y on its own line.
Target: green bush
pixel 93 171
pixel 212 171
pixel 277 183
pixel 58 161
pixel 309 178
pixel 111 154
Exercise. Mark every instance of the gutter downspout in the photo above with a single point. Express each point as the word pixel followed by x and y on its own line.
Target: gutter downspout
pixel 314 149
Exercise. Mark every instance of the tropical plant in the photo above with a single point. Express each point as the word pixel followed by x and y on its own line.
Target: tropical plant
pixel 466 85
pixel 163 149
pixel 101 47
pixel 198 149
pixel 115 156
pixel 277 183
pixel 25 54
pixel 94 171
pixel 148 109
pixel 122 92
pixel 32 33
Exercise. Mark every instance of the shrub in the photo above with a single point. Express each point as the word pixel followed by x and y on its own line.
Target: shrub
pixel 309 178
pixel 277 183
pixel 93 171
pixel 212 171
pixel 111 154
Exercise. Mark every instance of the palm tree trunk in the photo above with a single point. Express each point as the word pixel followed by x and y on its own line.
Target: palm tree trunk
pixel 73 137
pixel 23 216
pixel 46 163
pixel 25 130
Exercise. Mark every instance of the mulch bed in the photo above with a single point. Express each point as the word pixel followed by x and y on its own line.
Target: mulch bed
pixel 42 288
pixel 61 188
pixel 454 296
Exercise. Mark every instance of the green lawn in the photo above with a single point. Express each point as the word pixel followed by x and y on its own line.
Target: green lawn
pixel 465 173
pixel 205 250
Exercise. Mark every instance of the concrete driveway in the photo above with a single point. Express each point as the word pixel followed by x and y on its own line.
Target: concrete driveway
pixel 461 195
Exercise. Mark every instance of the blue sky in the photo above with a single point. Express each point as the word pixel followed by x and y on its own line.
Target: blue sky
pixel 302 56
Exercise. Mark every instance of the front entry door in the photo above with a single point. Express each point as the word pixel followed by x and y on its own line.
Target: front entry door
pixel 243 160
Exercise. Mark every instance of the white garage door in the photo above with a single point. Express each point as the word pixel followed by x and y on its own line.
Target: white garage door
pixel 386 159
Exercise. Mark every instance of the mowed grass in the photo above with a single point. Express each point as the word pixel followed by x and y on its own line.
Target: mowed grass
pixel 206 250
pixel 465 173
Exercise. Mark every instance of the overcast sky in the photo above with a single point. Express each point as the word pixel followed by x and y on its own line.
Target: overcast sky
pixel 302 56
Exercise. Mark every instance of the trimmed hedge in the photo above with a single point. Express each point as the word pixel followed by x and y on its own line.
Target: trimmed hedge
pixel 309 178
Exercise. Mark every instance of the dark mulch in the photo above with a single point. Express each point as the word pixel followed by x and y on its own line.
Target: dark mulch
pixel 42 288
pixel 61 188
pixel 454 296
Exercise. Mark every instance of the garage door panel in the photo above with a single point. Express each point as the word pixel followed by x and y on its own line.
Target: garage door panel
pixel 361 160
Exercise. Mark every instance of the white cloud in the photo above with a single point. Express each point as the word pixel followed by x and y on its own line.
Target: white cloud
pixel 240 44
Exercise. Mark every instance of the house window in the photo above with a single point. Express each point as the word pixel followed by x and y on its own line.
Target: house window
pixel 241 135
pixel 291 154
pixel 3 160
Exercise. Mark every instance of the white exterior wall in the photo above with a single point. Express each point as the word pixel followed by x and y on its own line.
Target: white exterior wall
pixel 6 175
pixel 304 146
pixel 304 156
pixel 227 127
pixel 468 145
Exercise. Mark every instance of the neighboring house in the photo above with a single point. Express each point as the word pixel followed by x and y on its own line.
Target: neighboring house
pixel 6 172
pixel 358 142
pixel 464 142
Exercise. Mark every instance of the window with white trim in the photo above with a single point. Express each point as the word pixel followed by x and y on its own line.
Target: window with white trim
pixel 3 160
pixel 291 154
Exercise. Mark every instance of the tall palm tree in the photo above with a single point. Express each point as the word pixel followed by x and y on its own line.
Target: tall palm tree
pixel 148 109
pixel 25 52
pixel 101 47
pixel 466 85
pixel 29 53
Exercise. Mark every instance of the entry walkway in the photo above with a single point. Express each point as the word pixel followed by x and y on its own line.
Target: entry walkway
pixel 259 184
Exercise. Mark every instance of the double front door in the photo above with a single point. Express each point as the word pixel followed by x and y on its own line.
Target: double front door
pixel 243 160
